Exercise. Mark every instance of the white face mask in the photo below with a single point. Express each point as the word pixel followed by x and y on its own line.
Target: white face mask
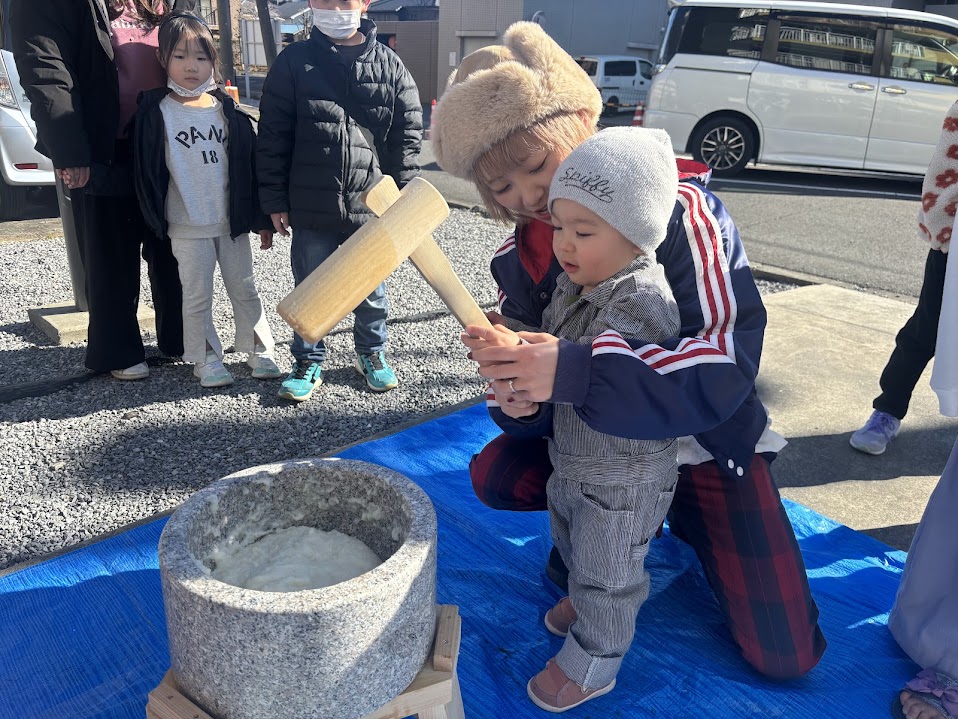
pixel 337 24
pixel 210 84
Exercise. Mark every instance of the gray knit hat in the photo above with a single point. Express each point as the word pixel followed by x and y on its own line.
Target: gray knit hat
pixel 628 177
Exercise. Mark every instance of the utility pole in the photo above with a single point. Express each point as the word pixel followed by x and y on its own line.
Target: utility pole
pixel 225 22
pixel 266 28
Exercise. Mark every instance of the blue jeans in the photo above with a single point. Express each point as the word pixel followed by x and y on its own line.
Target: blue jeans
pixel 310 249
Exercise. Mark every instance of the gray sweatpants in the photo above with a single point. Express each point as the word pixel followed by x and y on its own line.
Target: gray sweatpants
pixel 603 532
pixel 197 259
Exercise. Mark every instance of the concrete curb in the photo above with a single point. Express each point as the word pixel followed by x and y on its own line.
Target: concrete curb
pixel 777 274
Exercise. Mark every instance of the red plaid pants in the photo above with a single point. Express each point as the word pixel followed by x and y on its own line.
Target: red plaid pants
pixel 738 529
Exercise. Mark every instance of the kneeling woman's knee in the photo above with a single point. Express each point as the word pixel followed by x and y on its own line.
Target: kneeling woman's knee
pixel 511 474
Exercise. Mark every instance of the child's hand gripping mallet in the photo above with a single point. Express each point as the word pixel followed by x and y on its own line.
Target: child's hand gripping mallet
pixel 430 260
pixel 366 259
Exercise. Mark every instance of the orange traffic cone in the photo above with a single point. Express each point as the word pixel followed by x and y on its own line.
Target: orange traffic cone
pixel 233 92
pixel 429 129
pixel 639 117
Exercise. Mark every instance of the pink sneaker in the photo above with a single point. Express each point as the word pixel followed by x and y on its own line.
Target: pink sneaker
pixel 561 617
pixel 553 691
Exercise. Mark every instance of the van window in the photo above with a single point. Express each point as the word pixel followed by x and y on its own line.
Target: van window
pixel 620 68
pixel 645 68
pixel 924 53
pixel 6 41
pixel 835 44
pixel 732 32
pixel 590 66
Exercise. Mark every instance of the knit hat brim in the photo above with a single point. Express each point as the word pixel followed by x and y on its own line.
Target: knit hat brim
pixel 504 89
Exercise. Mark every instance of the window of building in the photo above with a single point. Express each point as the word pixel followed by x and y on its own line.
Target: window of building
pixel 206 9
pixel 835 44
pixel 732 32
pixel 924 53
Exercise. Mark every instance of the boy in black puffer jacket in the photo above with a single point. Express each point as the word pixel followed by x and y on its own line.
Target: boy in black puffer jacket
pixel 338 110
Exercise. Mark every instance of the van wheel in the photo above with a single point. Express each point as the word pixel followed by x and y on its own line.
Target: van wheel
pixel 13 201
pixel 611 106
pixel 726 144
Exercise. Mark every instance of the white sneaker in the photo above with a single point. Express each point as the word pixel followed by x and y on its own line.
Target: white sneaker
pixel 137 371
pixel 263 364
pixel 880 429
pixel 212 373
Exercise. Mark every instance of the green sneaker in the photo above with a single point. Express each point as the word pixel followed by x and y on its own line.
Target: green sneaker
pixel 300 383
pixel 379 375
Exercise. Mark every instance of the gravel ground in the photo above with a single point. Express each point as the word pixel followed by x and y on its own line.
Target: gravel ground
pixel 101 454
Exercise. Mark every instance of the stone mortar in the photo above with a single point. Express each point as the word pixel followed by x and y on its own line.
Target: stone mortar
pixel 338 652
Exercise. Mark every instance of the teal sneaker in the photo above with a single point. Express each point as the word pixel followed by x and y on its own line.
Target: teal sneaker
pixel 300 383
pixel 379 375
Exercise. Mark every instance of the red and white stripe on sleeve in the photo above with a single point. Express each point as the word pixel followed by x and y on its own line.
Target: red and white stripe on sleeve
pixel 690 351
pixel 508 246
pixel 713 343
pixel 714 284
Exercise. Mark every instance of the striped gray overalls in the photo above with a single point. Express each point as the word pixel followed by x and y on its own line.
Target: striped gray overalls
pixel 607 495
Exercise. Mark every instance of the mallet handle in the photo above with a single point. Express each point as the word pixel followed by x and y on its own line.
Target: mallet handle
pixel 356 268
pixel 430 260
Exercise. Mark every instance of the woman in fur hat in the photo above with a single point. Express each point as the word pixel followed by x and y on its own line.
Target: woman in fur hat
pixel 511 114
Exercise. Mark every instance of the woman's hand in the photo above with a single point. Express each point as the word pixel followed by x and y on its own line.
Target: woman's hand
pixel 265 239
pixel 74 177
pixel 280 222
pixel 531 366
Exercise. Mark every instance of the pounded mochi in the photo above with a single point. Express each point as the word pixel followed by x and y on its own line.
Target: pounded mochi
pixel 291 560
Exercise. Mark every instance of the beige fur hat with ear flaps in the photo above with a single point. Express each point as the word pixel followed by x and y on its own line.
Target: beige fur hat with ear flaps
pixel 504 88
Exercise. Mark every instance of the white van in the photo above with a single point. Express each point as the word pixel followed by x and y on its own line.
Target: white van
pixel 804 83
pixel 623 79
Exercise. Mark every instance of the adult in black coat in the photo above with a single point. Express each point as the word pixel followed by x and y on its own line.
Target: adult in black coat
pixel 82 64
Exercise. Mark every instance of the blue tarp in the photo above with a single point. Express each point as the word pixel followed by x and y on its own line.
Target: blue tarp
pixel 84 635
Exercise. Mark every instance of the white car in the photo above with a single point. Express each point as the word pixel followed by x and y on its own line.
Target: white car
pixel 623 80
pixel 804 83
pixel 22 168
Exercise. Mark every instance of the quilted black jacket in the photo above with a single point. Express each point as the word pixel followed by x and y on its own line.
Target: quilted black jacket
pixel 328 128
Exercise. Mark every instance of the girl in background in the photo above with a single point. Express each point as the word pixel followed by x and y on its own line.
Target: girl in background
pixel 194 176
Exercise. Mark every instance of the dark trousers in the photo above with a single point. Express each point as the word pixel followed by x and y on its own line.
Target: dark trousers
pixel 310 249
pixel 915 343
pixel 110 235
pixel 738 529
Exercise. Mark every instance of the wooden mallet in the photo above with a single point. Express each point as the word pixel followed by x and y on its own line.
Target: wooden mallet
pixel 430 260
pixel 366 259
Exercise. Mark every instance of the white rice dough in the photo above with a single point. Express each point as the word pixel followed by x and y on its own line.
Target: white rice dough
pixel 291 560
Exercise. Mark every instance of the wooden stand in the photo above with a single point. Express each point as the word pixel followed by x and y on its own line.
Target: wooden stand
pixel 433 694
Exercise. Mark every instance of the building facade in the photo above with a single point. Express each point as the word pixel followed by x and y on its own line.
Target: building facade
pixel 411 29
pixel 581 27
pixel 607 27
